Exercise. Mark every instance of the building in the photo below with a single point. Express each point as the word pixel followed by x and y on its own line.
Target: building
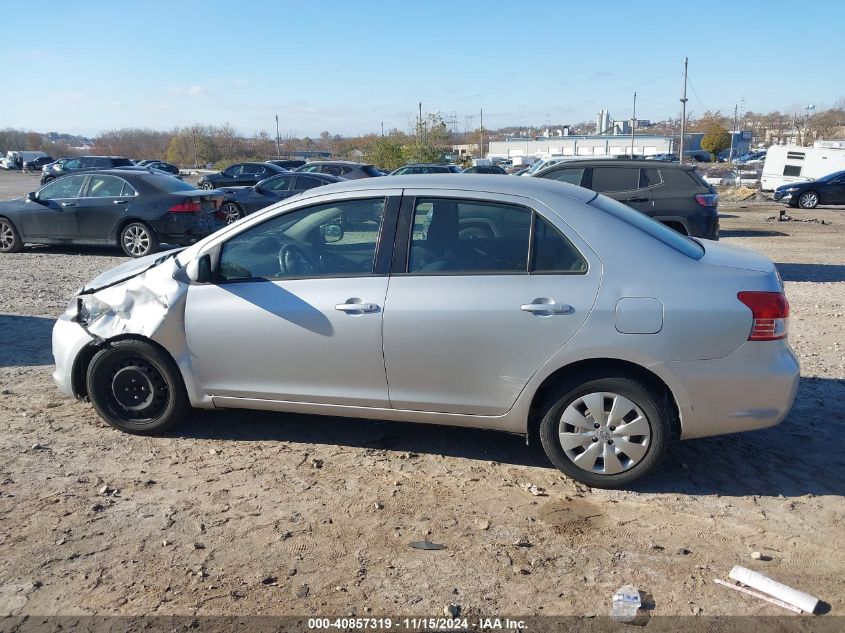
pixel 590 145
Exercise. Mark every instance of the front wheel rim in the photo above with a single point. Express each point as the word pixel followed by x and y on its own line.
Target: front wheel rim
pixel 7 236
pixel 136 240
pixel 604 433
pixel 809 199
pixel 139 390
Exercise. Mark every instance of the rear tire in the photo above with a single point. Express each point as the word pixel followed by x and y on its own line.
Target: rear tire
pixel 232 212
pixel 10 239
pixel 138 240
pixel 808 200
pixel 622 441
pixel 137 388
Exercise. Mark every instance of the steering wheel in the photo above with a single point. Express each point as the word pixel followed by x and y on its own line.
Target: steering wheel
pixel 294 260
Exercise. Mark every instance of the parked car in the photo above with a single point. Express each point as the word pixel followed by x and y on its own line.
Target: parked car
pixel 287 163
pixel 239 174
pixel 485 169
pixel 83 163
pixel 828 189
pixel 16 159
pixel 160 165
pixel 732 178
pixel 245 200
pixel 672 193
pixel 344 169
pixel 425 168
pixel 752 158
pixel 543 331
pixel 60 162
pixel 135 210
pixel 38 163
pixel 664 157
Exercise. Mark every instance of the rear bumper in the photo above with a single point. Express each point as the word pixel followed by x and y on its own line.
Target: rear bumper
pixel 184 229
pixel 752 388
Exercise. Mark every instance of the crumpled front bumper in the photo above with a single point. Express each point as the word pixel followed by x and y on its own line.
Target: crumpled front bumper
pixel 69 339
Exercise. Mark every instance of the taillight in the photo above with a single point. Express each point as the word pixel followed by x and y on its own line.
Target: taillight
pixel 707 199
pixel 770 311
pixel 186 207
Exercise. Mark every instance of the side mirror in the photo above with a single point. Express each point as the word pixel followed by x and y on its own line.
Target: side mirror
pixel 199 269
pixel 32 196
pixel 331 233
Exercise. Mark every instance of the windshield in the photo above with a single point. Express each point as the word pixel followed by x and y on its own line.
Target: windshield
pixel 655 229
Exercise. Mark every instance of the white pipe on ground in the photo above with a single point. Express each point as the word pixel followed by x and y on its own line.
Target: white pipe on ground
pixel 803 601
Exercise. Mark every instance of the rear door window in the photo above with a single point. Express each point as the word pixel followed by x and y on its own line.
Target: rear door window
pixel 573 176
pixel 612 179
pixel 105 187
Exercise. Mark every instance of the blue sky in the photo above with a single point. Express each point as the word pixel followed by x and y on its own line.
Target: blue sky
pixel 83 67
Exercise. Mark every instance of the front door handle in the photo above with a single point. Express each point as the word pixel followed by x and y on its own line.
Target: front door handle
pixel 68 204
pixel 545 307
pixel 355 305
pixel 121 201
pixel 636 200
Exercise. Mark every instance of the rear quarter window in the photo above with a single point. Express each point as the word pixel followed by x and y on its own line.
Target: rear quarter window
pixel 655 229
pixel 687 180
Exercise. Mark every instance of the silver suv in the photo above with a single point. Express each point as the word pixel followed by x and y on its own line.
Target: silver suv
pixel 563 316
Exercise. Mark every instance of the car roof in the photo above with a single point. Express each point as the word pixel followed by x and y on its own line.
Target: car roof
pixel 338 162
pixel 495 184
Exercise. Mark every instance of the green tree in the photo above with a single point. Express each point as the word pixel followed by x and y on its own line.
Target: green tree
pixel 385 153
pixel 716 139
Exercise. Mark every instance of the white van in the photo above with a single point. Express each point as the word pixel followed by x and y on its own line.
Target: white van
pixel 15 160
pixel 794 163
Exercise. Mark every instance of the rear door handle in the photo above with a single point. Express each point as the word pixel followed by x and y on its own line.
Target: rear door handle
pixel 543 308
pixel 356 305
pixel 636 200
pixel 68 204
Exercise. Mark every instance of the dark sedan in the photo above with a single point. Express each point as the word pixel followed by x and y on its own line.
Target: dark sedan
pixel 37 163
pixel 828 189
pixel 243 201
pixel 485 169
pixel 159 164
pixel 63 167
pixel 240 175
pixel 135 210
pixel 287 163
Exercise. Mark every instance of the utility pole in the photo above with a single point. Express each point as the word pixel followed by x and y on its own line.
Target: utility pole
pixel 278 140
pixel 683 111
pixel 633 124
pixel 382 128
pixel 733 134
pixel 481 136
pixel 419 124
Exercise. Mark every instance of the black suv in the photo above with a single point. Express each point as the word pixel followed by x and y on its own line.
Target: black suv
pixel 671 193
pixel 72 165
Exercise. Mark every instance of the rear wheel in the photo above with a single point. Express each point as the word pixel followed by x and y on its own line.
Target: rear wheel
pixel 231 212
pixel 605 431
pixel 136 387
pixel 207 186
pixel 808 200
pixel 138 240
pixel 10 239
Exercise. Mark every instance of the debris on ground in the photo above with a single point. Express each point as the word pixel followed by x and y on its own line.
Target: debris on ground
pixel 773 589
pixel 627 606
pixel 537 491
pixel 452 610
pixel 428 545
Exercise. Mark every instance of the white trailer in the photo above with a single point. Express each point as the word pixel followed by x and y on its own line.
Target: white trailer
pixel 14 160
pixel 794 163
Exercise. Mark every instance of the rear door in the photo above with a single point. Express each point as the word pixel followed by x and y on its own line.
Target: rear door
pixel 469 318
pixel 103 203
pixel 625 184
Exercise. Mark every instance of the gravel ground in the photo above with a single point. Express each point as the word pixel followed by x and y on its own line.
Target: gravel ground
pixel 248 512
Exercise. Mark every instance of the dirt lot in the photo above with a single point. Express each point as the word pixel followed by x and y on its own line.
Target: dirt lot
pixel 240 512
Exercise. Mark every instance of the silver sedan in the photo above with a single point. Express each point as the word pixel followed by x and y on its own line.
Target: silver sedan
pixel 517 304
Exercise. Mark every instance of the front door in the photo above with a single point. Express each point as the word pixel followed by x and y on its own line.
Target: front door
pixel 53 215
pixel 470 315
pixel 296 311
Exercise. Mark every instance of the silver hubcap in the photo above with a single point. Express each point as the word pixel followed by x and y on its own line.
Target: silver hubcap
pixel 7 237
pixel 231 212
pixel 604 433
pixel 136 240
pixel 809 199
